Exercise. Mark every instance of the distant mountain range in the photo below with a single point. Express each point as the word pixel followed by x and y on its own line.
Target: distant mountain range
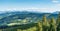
pixel 57 12
pixel 21 16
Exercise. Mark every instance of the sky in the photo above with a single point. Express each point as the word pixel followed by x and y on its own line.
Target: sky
pixel 30 5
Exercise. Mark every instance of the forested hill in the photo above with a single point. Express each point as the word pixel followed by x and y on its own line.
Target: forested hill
pixel 13 17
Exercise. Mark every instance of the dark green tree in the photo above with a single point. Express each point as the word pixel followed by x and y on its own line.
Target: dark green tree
pixel 53 24
pixel 45 23
pixel 58 22
pixel 39 26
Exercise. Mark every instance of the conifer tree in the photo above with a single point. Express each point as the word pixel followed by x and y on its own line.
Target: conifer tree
pixel 44 23
pixel 39 26
pixel 58 22
pixel 53 24
pixel 44 19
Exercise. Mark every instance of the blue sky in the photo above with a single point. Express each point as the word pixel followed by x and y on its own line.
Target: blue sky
pixel 30 5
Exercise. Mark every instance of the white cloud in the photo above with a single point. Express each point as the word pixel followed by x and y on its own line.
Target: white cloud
pixel 32 9
pixel 58 5
pixel 55 1
pixel 49 10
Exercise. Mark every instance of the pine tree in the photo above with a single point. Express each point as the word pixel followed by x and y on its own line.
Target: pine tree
pixel 44 19
pixel 53 24
pixel 44 23
pixel 58 19
pixel 58 22
pixel 39 26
